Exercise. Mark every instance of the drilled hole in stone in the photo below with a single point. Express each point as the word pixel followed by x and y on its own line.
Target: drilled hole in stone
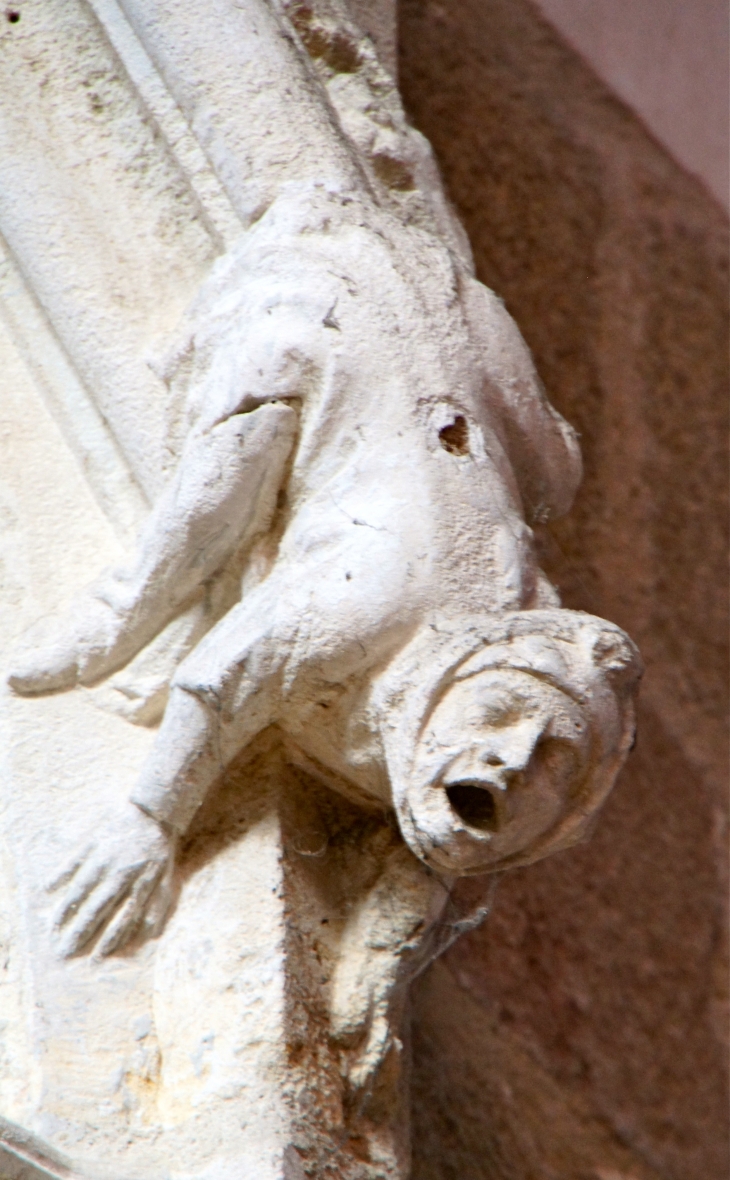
pixel 454 438
pixel 12 15
pixel 475 805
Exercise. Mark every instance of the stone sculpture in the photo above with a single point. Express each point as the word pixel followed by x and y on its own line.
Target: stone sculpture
pixel 336 580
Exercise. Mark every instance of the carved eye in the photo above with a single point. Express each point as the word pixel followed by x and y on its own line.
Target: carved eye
pixel 473 803
pixel 556 758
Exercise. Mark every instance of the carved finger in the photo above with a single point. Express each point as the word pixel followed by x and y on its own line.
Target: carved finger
pixel 367 1062
pixel 70 870
pixel 88 878
pixel 128 917
pixel 157 908
pixel 100 904
pixel 44 660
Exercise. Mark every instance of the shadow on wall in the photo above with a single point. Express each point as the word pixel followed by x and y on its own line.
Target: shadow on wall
pixel 579 1033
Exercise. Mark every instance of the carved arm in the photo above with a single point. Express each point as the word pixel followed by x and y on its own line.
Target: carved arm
pixel 222 493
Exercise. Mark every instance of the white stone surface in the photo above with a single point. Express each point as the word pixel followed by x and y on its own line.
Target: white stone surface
pixel 249 750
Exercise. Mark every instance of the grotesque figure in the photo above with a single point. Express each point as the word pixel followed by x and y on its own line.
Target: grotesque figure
pixel 506 750
pixel 364 421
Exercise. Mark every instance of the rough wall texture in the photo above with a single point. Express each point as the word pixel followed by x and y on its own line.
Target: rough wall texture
pixel 585 1037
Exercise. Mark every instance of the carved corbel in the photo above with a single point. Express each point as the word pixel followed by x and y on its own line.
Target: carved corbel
pixel 361 685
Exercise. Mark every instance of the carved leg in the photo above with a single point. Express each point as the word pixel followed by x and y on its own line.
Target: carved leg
pixel 281 981
pixel 225 693
pixel 386 941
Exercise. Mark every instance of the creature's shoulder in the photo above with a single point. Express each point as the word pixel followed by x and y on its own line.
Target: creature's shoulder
pixel 543 447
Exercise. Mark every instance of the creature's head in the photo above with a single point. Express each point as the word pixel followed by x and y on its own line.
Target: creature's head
pixel 503 736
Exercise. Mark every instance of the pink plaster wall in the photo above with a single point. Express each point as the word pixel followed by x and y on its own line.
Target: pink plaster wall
pixel 668 59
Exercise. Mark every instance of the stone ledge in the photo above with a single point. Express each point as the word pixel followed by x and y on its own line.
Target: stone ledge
pixel 23 1156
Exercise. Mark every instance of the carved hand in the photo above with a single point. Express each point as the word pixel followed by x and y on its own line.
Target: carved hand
pixel 112 885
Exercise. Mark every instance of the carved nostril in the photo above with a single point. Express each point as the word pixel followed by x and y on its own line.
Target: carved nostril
pixel 493 760
pixel 475 805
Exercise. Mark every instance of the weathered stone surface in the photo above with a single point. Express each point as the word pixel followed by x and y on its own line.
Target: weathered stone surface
pixel 252 746
pixel 606 966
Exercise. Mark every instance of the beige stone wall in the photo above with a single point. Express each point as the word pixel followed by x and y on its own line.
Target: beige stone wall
pixel 584 1040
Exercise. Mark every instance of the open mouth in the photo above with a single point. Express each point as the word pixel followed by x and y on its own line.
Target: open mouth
pixel 475 805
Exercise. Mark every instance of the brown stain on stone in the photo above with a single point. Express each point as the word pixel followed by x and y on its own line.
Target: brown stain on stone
pixel 332 46
pixel 393 173
pixel 606 964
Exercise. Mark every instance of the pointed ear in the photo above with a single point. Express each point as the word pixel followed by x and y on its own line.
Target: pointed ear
pixel 615 654
pixel 543 449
